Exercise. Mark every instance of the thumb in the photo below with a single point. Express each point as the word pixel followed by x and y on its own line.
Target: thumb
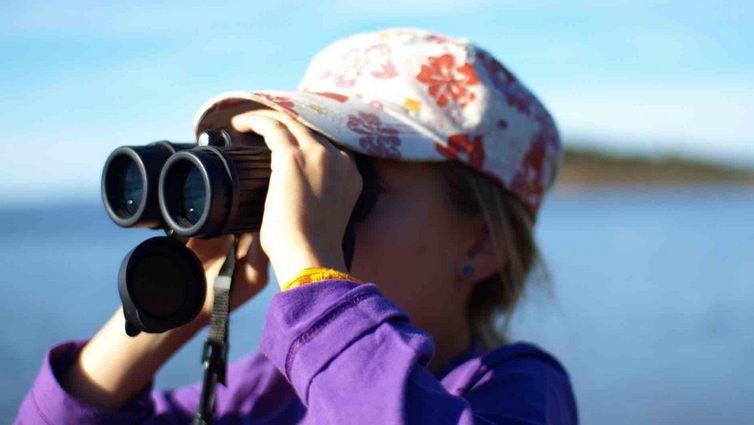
pixel 251 274
pixel 211 253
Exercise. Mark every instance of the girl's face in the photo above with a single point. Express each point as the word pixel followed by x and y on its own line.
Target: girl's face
pixel 414 243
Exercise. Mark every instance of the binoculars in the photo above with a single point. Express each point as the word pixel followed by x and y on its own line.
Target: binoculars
pixel 214 187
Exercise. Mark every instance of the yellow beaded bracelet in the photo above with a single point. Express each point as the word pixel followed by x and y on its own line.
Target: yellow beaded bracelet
pixel 315 274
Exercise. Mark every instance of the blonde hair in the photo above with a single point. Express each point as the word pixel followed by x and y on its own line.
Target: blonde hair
pixel 510 227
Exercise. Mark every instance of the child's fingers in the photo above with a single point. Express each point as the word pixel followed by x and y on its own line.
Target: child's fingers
pixel 275 134
pixel 305 137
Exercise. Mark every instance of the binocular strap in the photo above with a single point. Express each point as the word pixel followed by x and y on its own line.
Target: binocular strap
pixel 216 346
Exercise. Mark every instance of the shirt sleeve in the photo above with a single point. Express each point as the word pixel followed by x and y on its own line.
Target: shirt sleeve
pixel 354 357
pixel 255 390
pixel 48 403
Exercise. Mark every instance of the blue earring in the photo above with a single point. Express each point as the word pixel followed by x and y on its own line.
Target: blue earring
pixel 468 270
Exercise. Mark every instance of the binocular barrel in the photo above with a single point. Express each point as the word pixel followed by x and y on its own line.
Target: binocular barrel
pixel 210 191
pixel 197 191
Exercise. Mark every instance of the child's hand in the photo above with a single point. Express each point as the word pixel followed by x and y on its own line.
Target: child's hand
pixel 313 189
pixel 250 276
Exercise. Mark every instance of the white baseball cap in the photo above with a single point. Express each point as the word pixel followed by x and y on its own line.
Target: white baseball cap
pixel 415 95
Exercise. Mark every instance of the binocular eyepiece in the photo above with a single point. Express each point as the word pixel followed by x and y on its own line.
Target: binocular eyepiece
pixel 207 189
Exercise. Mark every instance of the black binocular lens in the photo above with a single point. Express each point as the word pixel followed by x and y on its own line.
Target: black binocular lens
pixel 192 197
pixel 132 190
pixel 124 184
pixel 185 193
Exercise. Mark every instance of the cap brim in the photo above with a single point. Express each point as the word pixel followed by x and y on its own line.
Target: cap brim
pixel 372 128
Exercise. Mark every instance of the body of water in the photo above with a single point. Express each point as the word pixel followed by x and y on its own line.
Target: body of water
pixel 651 306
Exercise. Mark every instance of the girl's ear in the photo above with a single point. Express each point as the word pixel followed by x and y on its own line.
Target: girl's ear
pixel 482 258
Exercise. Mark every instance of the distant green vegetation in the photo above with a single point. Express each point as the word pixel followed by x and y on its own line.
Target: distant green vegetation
pixel 592 167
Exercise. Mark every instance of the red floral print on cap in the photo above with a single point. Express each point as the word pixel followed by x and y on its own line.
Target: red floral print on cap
pixel 527 184
pixel 334 96
pixel 445 80
pixel 473 147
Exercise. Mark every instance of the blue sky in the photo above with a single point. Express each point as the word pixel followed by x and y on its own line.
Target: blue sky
pixel 79 78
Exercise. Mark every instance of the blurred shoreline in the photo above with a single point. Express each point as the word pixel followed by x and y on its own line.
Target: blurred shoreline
pixel 583 169
pixel 586 168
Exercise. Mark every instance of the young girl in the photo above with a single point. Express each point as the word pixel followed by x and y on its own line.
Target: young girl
pixel 463 153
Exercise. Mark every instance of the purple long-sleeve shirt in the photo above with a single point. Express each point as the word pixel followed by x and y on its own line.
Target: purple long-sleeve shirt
pixel 337 353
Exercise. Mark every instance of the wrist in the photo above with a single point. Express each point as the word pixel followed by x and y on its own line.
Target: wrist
pixel 113 367
pixel 297 259
pixel 316 274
